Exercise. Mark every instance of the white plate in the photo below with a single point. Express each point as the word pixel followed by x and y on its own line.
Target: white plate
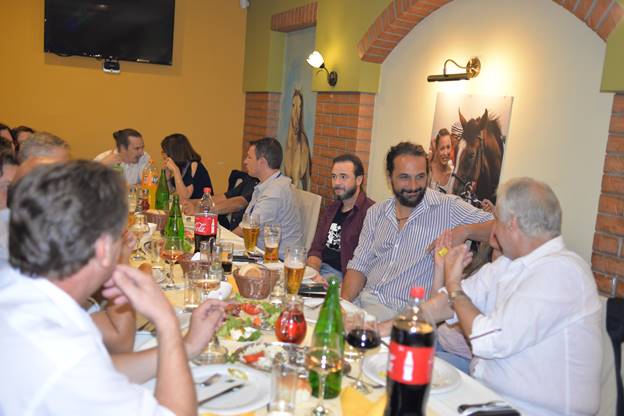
pixel 254 395
pixel 445 376
pixel 311 309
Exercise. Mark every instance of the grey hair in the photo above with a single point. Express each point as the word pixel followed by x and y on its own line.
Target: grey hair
pixel 534 205
pixel 39 145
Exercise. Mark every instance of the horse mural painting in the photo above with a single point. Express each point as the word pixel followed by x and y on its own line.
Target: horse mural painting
pixel 479 156
pixel 297 162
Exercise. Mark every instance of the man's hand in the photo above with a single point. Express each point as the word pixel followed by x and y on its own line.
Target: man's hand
pixel 487 206
pixel 458 236
pixel 141 291
pixel 205 321
pixel 454 263
pixel 110 159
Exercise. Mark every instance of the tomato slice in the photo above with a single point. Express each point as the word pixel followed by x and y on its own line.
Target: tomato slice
pixel 252 358
pixel 250 309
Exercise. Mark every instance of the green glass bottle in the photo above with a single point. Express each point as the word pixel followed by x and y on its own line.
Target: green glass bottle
pixel 175 222
pixel 162 192
pixel 330 324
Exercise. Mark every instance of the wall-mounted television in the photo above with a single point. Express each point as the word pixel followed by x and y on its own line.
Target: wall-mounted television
pixel 127 30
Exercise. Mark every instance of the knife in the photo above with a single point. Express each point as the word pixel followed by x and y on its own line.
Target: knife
pixel 219 389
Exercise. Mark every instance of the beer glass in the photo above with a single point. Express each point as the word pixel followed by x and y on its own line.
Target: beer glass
pixel 251 229
pixel 294 267
pixel 272 234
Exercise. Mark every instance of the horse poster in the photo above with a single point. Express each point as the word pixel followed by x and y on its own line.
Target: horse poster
pixel 478 126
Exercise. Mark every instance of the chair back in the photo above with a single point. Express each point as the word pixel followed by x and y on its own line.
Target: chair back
pixel 309 208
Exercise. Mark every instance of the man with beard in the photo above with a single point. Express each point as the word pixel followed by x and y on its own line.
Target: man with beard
pixel 129 155
pixel 338 230
pixel 393 252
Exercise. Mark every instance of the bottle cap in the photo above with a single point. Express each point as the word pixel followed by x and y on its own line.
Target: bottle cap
pixel 207 190
pixel 417 292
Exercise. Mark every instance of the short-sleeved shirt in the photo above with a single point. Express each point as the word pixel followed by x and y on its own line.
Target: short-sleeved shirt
pixel 395 260
pixel 53 359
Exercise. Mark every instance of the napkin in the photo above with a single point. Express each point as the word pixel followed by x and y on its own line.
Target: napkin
pixel 355 403
pixel 230 279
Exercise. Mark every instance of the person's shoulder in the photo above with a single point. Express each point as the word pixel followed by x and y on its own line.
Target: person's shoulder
pixel 377 208
pixel 103 155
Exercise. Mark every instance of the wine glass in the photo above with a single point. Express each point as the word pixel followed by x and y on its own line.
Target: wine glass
pixel 363 336
pixel 324 357
pixel 172 250
pixel 138 228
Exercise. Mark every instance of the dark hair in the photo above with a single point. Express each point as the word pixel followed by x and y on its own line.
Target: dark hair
pixel 15 132
pixel 6 146
pixel 358 168
pixel 6 158
pixel 178 148
pixel 121 137
pixel 443 132
pixel 5 127
pixel 404 148
pixel 270 149
pixel 59 211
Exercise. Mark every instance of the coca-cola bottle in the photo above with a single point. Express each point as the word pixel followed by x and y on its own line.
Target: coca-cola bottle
pixel 410 360
pixel 206 220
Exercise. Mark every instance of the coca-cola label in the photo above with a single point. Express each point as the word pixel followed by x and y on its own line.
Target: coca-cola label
pixel 410 365
pixel 206 225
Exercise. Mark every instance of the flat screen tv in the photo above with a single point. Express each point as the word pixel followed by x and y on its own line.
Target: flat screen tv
pixel 127 30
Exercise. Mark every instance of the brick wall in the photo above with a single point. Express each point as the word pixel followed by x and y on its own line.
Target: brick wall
pixel 343 124
pixel 608 249
pixel 261 116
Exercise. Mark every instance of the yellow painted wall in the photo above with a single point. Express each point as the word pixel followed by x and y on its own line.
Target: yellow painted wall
pixel 200 95
pixel 340 25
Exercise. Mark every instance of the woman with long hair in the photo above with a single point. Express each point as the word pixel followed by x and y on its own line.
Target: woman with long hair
pixel 188 175
pixel 441 165
pixel 297 156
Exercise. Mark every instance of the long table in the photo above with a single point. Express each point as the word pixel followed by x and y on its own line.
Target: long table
pixel 469 390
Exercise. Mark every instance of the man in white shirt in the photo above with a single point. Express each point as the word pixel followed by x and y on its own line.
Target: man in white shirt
pixel 67 220
pixel 129 155
pixel 273 199
pixel 532 316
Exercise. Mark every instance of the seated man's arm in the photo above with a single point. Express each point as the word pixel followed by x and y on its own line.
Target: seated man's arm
pixel 117 325
pixel 352 284
pixel 229 205
pixel 315 254
pixel 109 159
pixel 314 262
pixel 455 261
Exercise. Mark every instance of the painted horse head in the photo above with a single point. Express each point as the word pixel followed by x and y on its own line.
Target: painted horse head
pixel 479 155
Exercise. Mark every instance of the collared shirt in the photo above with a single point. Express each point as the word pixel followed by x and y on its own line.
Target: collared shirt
pixel 349 233
pixel 132 171
pixel 53 360
pixel 395 260
pixel 274 202
pixel 538 341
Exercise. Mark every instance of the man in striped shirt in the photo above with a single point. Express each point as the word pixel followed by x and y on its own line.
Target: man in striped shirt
pixel 393 253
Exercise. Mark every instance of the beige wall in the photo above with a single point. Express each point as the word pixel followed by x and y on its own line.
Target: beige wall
pixel 535 51
pixel 200 95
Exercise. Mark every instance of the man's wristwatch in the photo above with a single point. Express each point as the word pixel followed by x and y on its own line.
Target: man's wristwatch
pixel 454 295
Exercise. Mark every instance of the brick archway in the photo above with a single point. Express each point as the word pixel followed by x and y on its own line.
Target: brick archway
pixel 602 16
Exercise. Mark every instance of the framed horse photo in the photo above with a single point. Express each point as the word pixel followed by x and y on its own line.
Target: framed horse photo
pixel 468 142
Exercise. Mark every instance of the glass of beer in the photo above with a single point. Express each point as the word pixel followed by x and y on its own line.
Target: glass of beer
pixel 272 235
pixel 251 229
pixel 294 266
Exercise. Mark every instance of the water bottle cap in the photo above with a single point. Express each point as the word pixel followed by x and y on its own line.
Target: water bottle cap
pixel 417 292
pixel 207 190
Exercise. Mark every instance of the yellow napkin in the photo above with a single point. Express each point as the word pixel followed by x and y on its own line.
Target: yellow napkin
pixel 230 279
pixel 355 403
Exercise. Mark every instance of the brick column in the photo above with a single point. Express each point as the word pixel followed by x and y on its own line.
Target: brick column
pixel 261 116
pixel 344 122
pixel 608 249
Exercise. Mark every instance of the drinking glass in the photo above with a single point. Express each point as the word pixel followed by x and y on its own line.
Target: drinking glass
pixel 227 255
pixel 138 228
pixel 363 336
pixel 172 250
pixel 324 357
pixel 294 267
pixel 284 381
pixel 251 228
pixel 272 234
pixel 291 324
pixel 199 281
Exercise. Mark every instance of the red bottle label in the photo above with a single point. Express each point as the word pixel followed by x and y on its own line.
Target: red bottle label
pixel 410 365
pixel 206 225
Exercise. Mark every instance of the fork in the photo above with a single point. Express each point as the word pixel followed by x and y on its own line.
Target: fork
pixel 210 380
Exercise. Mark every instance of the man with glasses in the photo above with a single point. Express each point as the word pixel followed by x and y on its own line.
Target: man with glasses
pixel 338 230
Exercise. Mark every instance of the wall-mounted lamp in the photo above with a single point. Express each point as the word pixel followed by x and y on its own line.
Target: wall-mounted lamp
pixel 473 67
pixel 316 60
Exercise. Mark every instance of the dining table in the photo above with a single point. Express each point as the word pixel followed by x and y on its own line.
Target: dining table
pixel 465 389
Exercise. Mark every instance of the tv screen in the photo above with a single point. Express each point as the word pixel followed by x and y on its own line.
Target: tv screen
pixel 128 30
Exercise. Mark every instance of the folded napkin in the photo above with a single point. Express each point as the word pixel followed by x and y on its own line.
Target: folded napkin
pixel 355 403
pixel 230 279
